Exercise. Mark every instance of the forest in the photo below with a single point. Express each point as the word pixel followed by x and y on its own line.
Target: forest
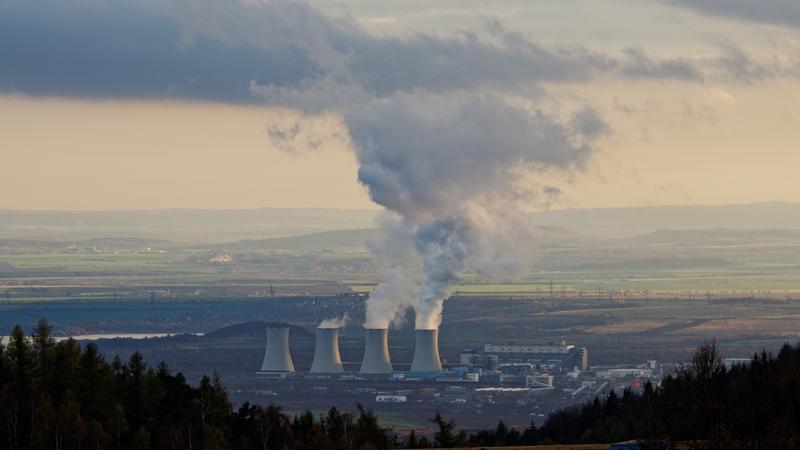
pixel 60 395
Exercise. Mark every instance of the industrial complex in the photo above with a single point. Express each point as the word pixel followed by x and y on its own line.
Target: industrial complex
pixel 532 377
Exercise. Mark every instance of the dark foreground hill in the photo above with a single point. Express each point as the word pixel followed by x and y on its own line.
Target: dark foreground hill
pixel 59 395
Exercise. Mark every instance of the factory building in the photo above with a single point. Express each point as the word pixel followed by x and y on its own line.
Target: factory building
pixel 618 373
pixel 561 357
pixel 471 358
pixel 391 398
pixel 539 381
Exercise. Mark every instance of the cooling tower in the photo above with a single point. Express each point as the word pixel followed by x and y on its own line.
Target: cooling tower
pixel 276 356
pixel 426 352
pixel 326 352
pixel 376 352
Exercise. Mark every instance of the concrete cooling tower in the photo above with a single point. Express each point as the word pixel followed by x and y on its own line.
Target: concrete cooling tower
pixel 276 356
pixel 376 352
pixel 426 352
pixel 326 352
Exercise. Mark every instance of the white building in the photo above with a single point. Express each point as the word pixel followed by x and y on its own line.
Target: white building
pixel 391 398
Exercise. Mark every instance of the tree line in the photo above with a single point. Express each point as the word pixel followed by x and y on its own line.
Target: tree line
pixel 750 406
pixel 60 395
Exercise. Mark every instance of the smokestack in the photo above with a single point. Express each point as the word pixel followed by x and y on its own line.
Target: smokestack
pixel 276 356
pixel 376 352
pixel 326 352
pixel 426 352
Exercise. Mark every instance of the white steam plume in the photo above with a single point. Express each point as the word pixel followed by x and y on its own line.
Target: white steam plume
pixel 336 322
pixel 451 167
pixel 389 301
pixel 445 145
pixel 400 266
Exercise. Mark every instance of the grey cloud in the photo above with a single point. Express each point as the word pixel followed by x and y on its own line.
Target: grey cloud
pixel 130 49
pixel 637 64
pixel 783 12
pixel 736 65
pixel 217 50
pixel 587 124
pixel 382 65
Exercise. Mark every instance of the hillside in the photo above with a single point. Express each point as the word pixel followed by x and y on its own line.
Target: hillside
pixel 188 226
pixel 326 240
pixel 179 225
pixel 629 222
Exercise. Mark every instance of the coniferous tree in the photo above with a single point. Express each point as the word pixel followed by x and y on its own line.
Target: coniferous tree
pixel 446 437
pixel 61 395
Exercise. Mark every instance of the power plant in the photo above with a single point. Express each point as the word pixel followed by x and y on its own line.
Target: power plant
pixel 426 352
pixel 327 359
pixel 326 352
pixel 511 363
pixel 277 357
pixel 376 352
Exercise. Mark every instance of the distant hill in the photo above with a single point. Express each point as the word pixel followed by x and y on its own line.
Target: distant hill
pixel 25 245
pixel 189 227
pixel 717 236
pixel 357 240
pixel 254 329
pixel 561 235
pixel 124 242
pixel 330 240
pixel 180 225
pixel 629 222
pixel 103 244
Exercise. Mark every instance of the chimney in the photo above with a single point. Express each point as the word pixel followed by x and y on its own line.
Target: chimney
pixel 326 352
pixel 276 356
pixel 376 352
pixel 426 352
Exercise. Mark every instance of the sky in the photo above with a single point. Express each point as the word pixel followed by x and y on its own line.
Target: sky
pixel 150 104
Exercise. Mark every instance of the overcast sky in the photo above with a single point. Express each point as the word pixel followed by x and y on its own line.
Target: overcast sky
pixel 133 104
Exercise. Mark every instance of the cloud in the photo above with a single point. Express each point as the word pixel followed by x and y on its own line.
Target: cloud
pixel 219 50
pixel 735 64
pixel 636 64
pixel 780 12
pixel 130 49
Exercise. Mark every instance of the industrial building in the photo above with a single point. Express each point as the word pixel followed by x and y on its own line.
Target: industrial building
pixel 556 357
pixel 531 367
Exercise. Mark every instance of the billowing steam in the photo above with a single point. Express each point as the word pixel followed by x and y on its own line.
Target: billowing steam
pixel 447 146
pixel 400 266
pixel 336 322
pixel 391 298
pixel 451 167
